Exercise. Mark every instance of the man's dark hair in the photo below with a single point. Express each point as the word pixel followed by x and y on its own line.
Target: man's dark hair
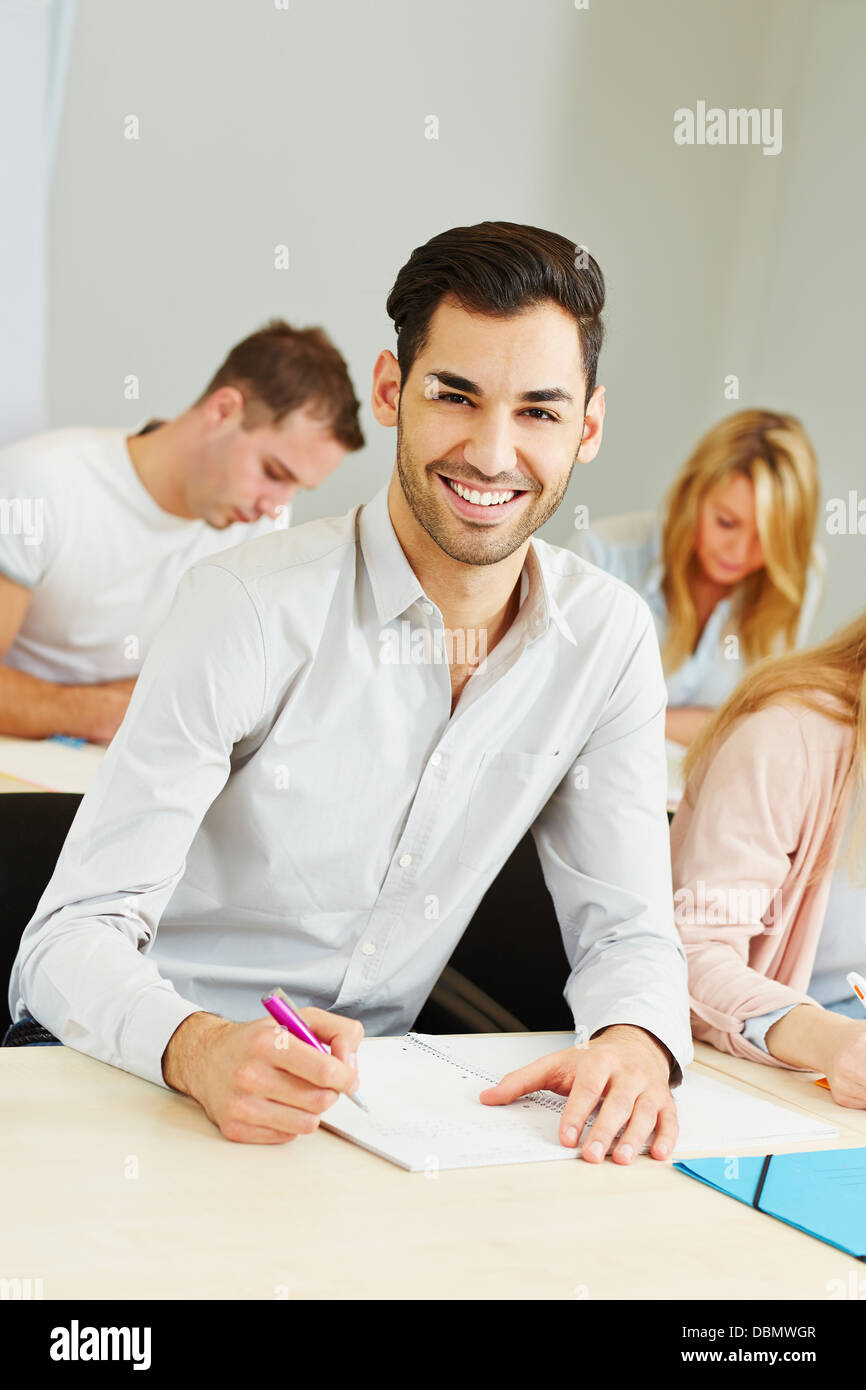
pixel 280 368
pixel 498 268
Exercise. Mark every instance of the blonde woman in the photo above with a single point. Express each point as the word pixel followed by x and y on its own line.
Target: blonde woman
pixel 769 865
pixel 729 568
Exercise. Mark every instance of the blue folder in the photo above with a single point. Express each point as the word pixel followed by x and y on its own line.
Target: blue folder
pixel 822 1193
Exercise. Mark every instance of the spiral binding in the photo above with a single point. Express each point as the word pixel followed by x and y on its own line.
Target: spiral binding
pixel 536 1097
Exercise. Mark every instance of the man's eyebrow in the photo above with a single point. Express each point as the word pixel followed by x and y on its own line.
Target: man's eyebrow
pixel 457 383
pixel 549 393
pixel 471 388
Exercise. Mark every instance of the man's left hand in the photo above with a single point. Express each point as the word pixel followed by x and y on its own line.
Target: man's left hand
pixel 624 1069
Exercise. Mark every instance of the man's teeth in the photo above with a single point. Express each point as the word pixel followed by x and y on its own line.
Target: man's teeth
pixel 481 499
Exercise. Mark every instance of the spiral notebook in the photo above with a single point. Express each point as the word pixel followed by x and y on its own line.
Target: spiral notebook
pixel 425 1115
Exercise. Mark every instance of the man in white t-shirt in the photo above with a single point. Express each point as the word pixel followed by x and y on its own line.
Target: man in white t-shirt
pixel 97 526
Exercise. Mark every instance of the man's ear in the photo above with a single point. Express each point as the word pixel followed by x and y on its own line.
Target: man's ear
pixel 224 408
pixel 387 381
pixel 593 426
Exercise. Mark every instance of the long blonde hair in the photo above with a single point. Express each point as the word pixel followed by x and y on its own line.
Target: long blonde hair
pixel 775 453
pixel 829 678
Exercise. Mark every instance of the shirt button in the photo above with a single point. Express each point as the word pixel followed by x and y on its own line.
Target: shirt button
pixel 435 759
pixel 426 607
pixel 405 860
pixel 369 948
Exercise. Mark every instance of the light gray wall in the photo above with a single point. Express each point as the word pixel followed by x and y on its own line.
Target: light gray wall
pixel 23 61
pixel 306 126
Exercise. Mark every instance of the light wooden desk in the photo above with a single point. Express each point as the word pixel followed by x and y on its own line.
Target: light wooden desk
pixel 41 765
pixel 15 784
pixel 114 1188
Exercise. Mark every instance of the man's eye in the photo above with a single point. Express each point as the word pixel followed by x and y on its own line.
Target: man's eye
pixel 535 412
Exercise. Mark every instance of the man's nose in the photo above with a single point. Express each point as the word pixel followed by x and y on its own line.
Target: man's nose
pixel 270 506
pixel 489 446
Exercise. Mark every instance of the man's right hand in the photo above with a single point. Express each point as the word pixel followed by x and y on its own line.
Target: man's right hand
pixel 255 1081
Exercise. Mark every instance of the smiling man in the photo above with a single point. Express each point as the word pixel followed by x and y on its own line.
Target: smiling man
pixel 98 525
pixel 282 806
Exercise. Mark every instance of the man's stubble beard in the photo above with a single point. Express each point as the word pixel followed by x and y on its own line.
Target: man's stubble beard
pixel 475 550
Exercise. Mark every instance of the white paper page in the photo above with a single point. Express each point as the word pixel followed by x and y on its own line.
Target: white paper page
pixel 719 1117
pixel 712 1115
pixel 425 1113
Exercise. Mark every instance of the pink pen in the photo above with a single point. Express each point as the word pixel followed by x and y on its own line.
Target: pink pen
pixel 280 1007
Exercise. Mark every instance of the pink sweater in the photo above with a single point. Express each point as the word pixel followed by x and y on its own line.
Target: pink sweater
pixel 774 791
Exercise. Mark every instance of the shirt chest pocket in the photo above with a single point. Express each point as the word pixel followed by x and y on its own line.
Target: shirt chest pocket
pixel 508 792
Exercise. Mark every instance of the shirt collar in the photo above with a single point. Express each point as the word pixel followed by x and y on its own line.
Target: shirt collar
pixel 540 604
pixel 396 586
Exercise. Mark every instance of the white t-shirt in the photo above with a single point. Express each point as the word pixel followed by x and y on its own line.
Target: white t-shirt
pixel 103 559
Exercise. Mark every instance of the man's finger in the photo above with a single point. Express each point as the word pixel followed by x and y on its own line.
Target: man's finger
pixel 319 1068
pixel 346 1048
pixel 644 1118
pixel 343 1035
pixel 254 1134
pixel 536 1076
pixel 586 1092
pixel 667 1131
pixel 291 1090
pixel 255 1113
pixel 333 1029
pixel 614 1112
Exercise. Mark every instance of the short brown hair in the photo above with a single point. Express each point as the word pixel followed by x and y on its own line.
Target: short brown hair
pixel 280 369
pixel 498 268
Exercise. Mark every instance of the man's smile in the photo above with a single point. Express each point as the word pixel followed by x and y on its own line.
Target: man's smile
pixel 481 504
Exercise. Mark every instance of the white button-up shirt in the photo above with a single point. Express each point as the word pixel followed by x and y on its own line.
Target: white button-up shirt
pixel 290 801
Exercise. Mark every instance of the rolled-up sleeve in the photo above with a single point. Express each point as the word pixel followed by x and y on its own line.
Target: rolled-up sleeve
pixel 82 967
pixel 604 849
